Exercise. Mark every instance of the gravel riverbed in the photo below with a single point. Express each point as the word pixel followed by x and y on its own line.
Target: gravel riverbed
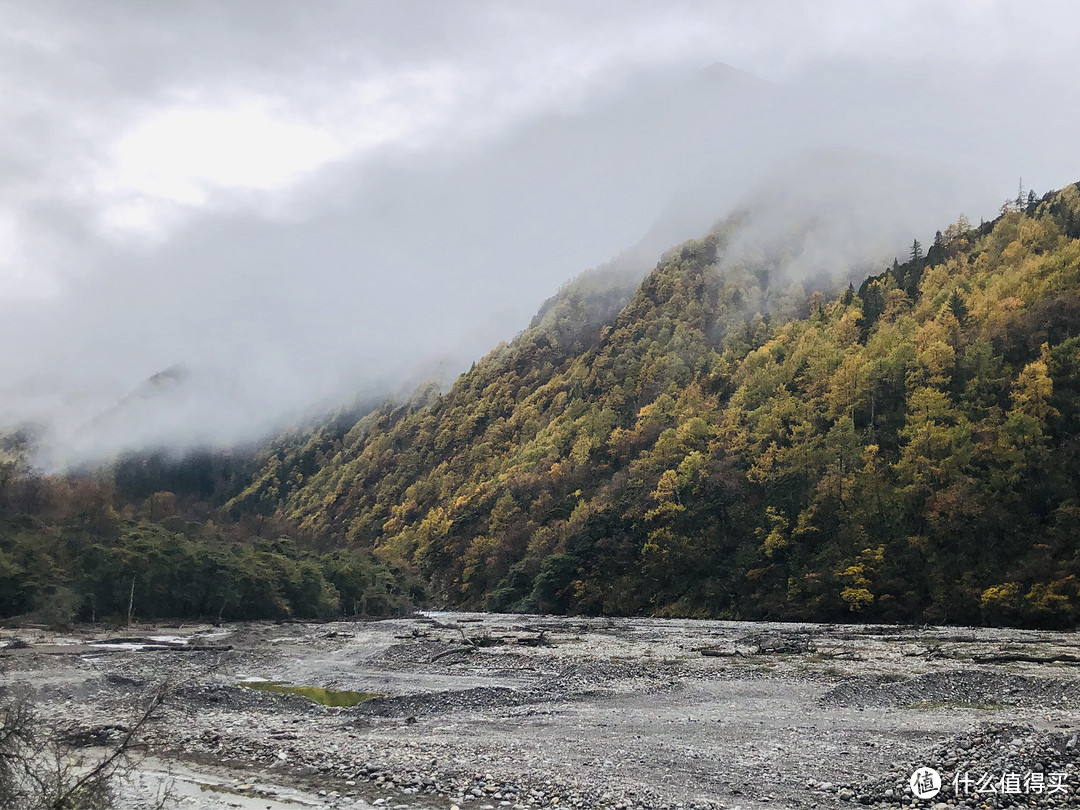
pixel 491 711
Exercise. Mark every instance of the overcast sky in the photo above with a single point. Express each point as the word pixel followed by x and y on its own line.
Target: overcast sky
pixel 301 200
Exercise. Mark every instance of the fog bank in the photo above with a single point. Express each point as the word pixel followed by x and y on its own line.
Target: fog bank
pixel 295 207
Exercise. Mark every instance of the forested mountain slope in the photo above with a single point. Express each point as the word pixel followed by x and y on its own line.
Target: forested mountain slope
pixel 730 446
pixel 144 537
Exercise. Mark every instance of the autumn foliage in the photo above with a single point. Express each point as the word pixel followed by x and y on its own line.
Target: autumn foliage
pixel 734 445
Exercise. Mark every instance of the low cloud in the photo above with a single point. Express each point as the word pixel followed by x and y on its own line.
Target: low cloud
pixel 300 206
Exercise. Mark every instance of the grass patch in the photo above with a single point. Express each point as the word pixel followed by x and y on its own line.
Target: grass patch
pixel 327 697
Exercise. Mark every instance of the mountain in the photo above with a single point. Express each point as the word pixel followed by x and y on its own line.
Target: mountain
pixel 729 442
pixel 760 428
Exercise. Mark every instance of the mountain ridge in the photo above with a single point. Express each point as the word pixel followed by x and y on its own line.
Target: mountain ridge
pixel 692 456
pixel 728 439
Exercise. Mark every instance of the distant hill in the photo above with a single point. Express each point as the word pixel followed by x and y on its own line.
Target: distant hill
pixel 726 441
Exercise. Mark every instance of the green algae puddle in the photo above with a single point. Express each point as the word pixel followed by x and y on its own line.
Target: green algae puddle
pixel 327 697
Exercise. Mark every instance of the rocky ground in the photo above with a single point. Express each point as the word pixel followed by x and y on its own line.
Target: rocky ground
pixel 490 711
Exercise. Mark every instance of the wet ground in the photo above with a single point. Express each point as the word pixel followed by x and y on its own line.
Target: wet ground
pixel 482 710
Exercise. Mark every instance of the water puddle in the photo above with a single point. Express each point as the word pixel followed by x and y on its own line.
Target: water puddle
pixel 327 697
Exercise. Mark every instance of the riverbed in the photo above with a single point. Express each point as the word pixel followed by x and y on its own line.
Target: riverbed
pixel 491 711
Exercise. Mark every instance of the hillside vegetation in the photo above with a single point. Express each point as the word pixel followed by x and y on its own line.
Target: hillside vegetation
pixel 145 538
pixel 718 441
pixel 728 445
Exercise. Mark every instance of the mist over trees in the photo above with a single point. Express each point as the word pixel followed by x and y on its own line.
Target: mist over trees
pixel 721 440
pixel 145 539
pixel 726 447
pixel 405 182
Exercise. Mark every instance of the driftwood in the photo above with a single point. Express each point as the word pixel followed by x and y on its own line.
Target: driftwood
pixel 539 640
pixel 839 655
pixel 719 652
pixel 451 651
pixel 415 634
pixel 760 644
pixel 1031 658
pixel 773 643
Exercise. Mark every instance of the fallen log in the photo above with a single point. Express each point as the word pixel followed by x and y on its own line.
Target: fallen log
pixel 1029 658
pixel 717 652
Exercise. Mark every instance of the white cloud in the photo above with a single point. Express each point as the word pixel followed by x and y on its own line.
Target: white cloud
pixel 19 260
pixel 184 156
pixel 251 151
pixel 353 189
